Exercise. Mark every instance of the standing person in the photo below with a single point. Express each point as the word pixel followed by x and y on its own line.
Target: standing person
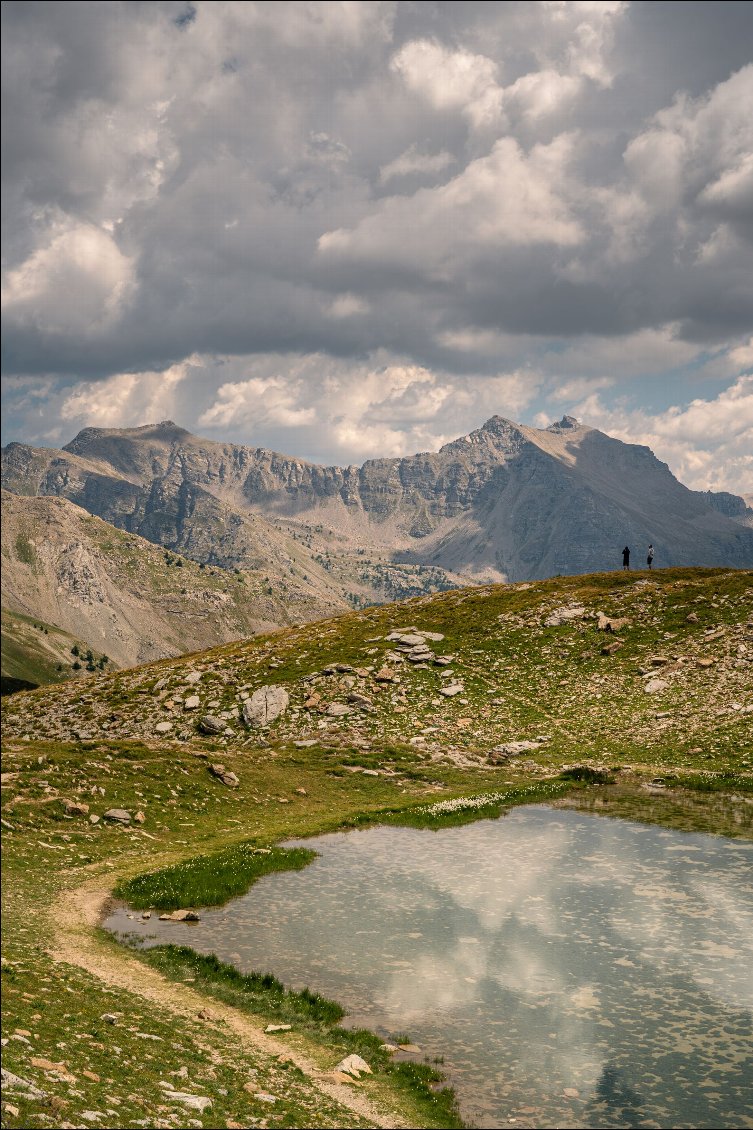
pixel 626 557
pixel 650 558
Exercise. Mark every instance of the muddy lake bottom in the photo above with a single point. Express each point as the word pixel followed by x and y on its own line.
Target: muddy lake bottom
pixel 567 969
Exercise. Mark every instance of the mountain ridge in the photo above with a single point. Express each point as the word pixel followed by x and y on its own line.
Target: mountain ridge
pixel 507 502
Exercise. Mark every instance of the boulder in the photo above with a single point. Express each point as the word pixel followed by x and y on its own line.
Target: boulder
pixel 362 701
pixel 210 724
pixel 354 1065
pixel 501 753
pixel 11 1082
pixel 117 816
pixel 564 615
pixel 265 706
pixel 225 775
pixel 193 1102
pixel 338 710
pixel 610 623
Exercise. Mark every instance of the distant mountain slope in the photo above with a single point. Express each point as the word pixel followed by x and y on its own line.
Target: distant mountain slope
pixel 507 502
pixel 35 653
pixel 123 596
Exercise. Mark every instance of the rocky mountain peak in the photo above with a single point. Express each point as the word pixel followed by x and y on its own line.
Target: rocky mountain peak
pixel 565 424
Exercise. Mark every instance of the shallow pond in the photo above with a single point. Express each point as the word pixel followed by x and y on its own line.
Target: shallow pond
pixel 572 970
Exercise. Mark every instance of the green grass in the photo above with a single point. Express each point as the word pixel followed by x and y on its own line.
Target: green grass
pixel 259 993
pixel 210 880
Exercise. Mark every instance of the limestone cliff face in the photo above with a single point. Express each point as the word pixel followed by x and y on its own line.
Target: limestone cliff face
pixel 506 501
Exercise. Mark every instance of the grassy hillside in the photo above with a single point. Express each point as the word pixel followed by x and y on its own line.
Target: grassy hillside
pixel 124 596
pixel 37 653
pixel 403 750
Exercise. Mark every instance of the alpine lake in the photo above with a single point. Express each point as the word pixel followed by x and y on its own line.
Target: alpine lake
pixel 562 968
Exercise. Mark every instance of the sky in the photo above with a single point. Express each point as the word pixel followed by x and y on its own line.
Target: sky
pixel 360 229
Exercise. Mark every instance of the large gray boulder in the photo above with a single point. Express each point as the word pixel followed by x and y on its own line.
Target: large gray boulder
pixel 265 706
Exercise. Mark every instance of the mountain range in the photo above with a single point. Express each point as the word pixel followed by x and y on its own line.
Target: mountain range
pixel 506 503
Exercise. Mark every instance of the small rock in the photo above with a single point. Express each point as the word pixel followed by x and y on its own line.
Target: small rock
pixel 353 1065
pixel 413 1049
pixel 75 808
pixel 180 916
pixel 94 819
pixel 338 710
pixel 193 677
pixel 109 1018
pixel 691 618
pixel 278 1028
pixel 117 816
pixel 705 663
pixel 313 700
pixel 139 818
pixel 192 703
pixel 306 743
pixel 391 1048
pixel 264 1097
pixel 611 648
pixel 163 727
pixel 451 690
pixel 654 686
pixel 385 675
pixel 658 661
pixel 300 792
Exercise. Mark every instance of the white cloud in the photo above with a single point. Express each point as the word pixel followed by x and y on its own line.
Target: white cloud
pixel 126 399
pixel 541 93
pixel 413 161
pixel 505 198
pixel 256 402
pixel 451 80
pixel 76 280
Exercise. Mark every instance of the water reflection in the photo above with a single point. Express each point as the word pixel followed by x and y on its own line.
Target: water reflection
pixel 573 970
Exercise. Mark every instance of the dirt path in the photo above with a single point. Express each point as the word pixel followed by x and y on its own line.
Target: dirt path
pixel 77 913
